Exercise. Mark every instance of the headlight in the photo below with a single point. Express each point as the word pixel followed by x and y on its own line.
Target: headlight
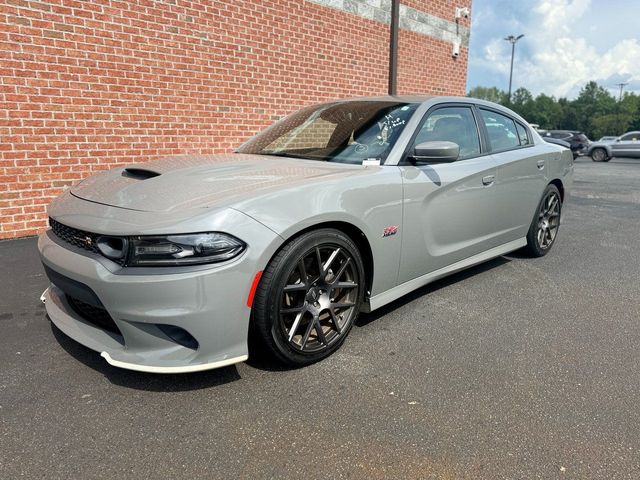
pixel 189 249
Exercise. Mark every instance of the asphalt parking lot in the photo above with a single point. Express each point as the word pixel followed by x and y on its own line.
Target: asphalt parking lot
pixel 516 369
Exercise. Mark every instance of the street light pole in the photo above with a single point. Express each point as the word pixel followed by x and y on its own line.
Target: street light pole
pixel 393 47
pixel 513 40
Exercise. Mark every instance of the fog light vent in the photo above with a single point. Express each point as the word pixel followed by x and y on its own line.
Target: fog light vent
pixel 179 335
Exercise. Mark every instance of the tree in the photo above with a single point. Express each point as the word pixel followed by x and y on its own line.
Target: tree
pixel 611 124
pixel 567 115
pixel 593 101
pixel 491 94
pixel 595 111
pixel 523 104
pixel 547 112
pixel 630 106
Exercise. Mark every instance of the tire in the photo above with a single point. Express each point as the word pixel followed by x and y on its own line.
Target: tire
pixel 599 155
pixel 545 223
pixel 309 297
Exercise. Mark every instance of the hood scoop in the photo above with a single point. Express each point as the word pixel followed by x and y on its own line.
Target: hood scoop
pixel 205 181
pixel 139 173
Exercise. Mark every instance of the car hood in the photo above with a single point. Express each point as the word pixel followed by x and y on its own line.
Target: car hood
pixel 204 181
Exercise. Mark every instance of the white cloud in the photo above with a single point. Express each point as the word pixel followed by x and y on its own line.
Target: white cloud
pixel 557 15
pixel 556 57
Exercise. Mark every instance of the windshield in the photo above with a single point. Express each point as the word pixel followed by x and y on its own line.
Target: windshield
pixel 346 132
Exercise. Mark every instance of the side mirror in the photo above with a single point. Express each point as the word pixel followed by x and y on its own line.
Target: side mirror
pixel 435 152
pixel 618 139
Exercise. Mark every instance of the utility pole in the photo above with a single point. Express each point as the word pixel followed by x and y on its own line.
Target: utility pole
pixel 620 85
pixel 393 47
pixel 513 40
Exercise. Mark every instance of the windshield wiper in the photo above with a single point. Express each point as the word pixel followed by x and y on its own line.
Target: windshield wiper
pixel 294 155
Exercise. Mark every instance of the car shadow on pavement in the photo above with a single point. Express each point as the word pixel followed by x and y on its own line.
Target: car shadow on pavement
pixel 261 359
pixel 367 318
pixel 152 382
pixel 257 357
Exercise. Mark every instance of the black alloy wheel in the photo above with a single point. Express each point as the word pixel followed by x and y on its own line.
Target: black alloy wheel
pixel 546 222
pixel 309 297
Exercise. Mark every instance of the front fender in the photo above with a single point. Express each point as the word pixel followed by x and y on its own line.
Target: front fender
pixel 606 147
pixel 369 202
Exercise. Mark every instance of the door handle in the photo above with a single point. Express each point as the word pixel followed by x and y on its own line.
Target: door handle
pixel 540 164
pixel 488 180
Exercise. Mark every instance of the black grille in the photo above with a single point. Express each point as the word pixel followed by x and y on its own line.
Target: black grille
pixel 82 239
pixel 79 238
pixel 95 315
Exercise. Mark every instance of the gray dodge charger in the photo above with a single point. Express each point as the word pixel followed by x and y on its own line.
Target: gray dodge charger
pixel 172 266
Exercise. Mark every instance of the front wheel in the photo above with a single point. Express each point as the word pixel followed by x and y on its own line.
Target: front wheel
pixel 545 224
pixel 309 297
pixel 599 155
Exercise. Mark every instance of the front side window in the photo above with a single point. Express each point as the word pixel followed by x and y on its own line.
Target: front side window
pixel 345 132
pixel 502 131
pixel 452 124
pixel 632 137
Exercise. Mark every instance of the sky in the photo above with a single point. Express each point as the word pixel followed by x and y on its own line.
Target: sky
pixel 566 44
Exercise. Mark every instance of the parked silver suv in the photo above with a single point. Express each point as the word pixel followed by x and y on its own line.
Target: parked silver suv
pixel 627 145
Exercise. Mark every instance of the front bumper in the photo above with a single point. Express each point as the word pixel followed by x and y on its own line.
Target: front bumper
pixel 151 360
pixel 208 303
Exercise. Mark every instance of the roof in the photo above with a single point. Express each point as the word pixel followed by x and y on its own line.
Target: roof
pixel 432 98
pixel 390 98
pixel 422 99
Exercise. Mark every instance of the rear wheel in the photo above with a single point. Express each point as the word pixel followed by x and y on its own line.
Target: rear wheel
pixel 309 297
pixel 599 155
pixel 545 224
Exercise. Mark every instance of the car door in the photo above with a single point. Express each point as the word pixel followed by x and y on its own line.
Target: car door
pixel 447 207
pixel 627 145
pixel 521 173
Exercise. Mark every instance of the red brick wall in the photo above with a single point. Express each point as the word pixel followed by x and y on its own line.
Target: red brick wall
pixel 88 85
pixel 440 8
pixel 425 64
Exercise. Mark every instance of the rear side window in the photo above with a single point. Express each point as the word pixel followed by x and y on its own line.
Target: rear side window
pixel 502 131
pixel 523 136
